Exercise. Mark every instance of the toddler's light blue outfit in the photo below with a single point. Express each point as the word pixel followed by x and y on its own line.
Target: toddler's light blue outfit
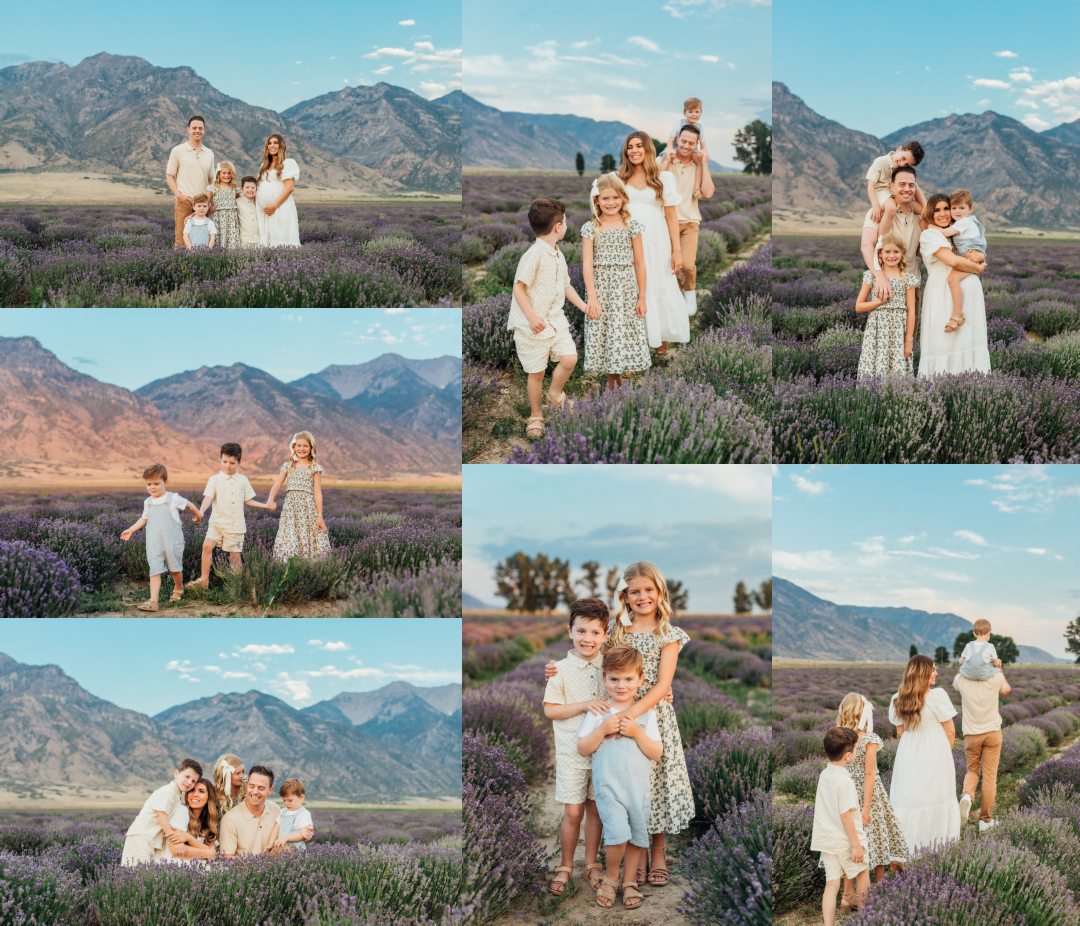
pixel 200 230
pixel 971 236
pixel 621 779
pixel 164 534
pixel 292 821
pixel 979 661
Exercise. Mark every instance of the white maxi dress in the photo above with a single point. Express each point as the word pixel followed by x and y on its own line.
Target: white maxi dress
pixel 179 820
pixel 965 349
pixel 923 791
pixel 282 229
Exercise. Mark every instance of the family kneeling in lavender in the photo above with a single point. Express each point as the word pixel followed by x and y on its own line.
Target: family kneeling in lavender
pixel 194 819
pixel 856 825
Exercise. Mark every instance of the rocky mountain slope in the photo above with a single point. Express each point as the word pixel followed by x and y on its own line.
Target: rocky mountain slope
pixel 596 138
pixel 397 133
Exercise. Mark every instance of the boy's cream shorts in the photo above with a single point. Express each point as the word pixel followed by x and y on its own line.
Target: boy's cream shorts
pixel 841 866
pixel 883 195
pixel 572 785
pixel 534 352
pixel 228 541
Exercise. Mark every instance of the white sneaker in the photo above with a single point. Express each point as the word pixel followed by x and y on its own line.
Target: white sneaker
pixel 965 808
pixel 983 827
pixel 691 301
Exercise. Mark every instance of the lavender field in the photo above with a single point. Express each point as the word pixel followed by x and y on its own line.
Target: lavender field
pixel 1027 409
pixel 355 255
pixel 1038 802
pixel 395 553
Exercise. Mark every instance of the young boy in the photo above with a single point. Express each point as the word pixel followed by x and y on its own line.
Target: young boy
pixel 691 116
pixel 230 493
pixel 979 660
pixel 541 331
pixel 151 827
pixel 577 689
pixel 199 229
pixel 970 240
pixel 247 213
pixel 164 533
pixel 621 771
pixel 294 820
pixel 838 830
pixel 880 175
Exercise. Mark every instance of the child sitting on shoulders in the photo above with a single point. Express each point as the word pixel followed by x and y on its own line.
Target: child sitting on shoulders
pixel 152 828
pixel 691 116
pixel 838 829
pixel 570 696
pixel 880 175
pixel 968 236
pixel 199 230
pixel 247 213
pixel 979 660
pixel 294 825
pixel 541 330
pixel 623 750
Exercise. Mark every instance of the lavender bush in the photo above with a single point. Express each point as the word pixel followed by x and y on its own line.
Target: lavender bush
pixel 507 718
pixel 921 895
pixel 431 591
pixel 725 768
pixel 35 583
pixel 484 335
pixel 1064 769
pixel 796 875
pixel 800 780
pixel 701 709
pixel 38 891
pixel 1053 841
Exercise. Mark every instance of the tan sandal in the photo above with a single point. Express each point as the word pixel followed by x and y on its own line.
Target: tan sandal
pixel 662 872
pixel 662 349
pixel 560 402
pixel 642 875
pixel 177 594
pixel 534 427
pixel 148 606
pixel 954 324
pixel 593 867
pixel 195 583
pixel 636 896
pixel 562 869
pixel 602 891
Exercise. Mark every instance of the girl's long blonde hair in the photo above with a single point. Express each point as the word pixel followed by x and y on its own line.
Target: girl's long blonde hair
pixel 275 163
pixel 650 165
pixel 225 165
pixel 911 699
pixel 219 774
pixel 610 182
pixel 644 570
pixel 310 438
pixel 896 241
pixel 850 713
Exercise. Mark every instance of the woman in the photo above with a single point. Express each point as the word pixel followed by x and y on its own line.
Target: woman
pixel 653 199
pixel 945 348
pixel 197 828
pixel 228 783
pixel 923 792
pixel 278 222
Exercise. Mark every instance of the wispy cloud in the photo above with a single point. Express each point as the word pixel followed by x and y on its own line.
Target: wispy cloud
pixel 1006 54
pixel 806 486
pixel 263 649
pixel 971 537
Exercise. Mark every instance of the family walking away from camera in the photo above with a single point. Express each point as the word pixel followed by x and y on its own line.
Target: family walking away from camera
pixel 301 529
pixel 193 819
pixel 900 226
pixel 857 827
pixel 619 763
pixel 211 211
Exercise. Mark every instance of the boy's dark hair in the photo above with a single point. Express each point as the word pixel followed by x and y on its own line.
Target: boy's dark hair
pixel 291 786
pixel 916 150
pixel 155 471
pixel 197 118
pixel 690 128
pixel 231 450
pixel 191 764
pixel 261 770
pixel 839 740
pixel 248 179
pixel 545 214
pixel 903 170
pixel 588 609
pixel 623 657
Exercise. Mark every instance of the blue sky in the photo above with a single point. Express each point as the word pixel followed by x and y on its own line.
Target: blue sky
pixel 1017 59
pixel 997 542
pixel 152 664
pixel 708 526
pixel 288 345
pixel 271 54
pixel 634 62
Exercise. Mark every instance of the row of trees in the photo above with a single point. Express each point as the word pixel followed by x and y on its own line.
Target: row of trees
pixel 745 600
pixel 1006 647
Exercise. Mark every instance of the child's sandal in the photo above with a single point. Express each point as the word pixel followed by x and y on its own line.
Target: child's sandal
pixel 954 324
pixel 534 427
pixel 561 401
pixel 637 896
pixel 148 606
pixel 176 595
pixel 642 875
pixel 592 874
pixel 665 878
pixel 562 869
pixel 606 890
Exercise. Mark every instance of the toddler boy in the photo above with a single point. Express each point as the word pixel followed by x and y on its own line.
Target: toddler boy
pixel 623 751
pixel 541 330
pixel 880 175
pixel 969 236
pixel 199 229
pixel 151 827
pixel 691 116
pixel 247 213
pixel 979 660
pixel 294 822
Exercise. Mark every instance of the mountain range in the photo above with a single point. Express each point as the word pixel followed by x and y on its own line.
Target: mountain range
pixel 808 627
pixel 1017 175
pixel 120 115
pixel 472 603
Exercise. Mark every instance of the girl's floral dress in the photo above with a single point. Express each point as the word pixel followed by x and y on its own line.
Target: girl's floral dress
pixel 886 328
pixel 616 342
pixel 885 835
pixel 225 216
pixel 298 529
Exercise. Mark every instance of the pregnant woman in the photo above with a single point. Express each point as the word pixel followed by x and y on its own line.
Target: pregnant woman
pixel 923 792
pixel 944 348
pixel 278 222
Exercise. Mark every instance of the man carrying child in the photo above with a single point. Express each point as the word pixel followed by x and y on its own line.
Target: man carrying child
pixel 686 170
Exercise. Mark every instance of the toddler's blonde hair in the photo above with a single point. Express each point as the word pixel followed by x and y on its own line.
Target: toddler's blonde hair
pixel 981 626
pixel 611 182
pixel 692 103
pixel 961 198
pixel 225 165
pixel 644 570
pixel 897 241
pixel 219 773
pixel 302 435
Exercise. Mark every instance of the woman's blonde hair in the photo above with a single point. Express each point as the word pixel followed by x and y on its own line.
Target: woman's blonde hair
pixel 898 242
pixel 850 712
pixel 219 774
pixel 911 699
pixel 302 435
pixel 277 162
pixel 650 165
pixel 610 182
pixel 644 570
pixel 225 165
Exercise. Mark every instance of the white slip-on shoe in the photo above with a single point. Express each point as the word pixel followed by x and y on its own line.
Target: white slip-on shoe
pixel 983 827
pixel 691 301
pixel 965 808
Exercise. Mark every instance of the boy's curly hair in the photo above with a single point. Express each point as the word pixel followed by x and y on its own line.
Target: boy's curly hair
pixel 589 609
pixel 916 150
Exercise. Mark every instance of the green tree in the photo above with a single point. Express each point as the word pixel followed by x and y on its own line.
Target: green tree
pixel 514 582
pixel 913 652
pixel 532 584
pixel 680 597
pixel 1072 638
pixel 591 580
pixel 941 655
pixel 763 596
pixel 659 146
pixel 579 163
pixel 607 164
pixel 753 147
pixel 744 603
pixel 611 582
pixel 1006 647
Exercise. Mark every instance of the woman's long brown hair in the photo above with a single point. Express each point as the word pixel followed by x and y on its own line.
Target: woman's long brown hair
pixel 652 168
pixel 278 162
pixel 911 699
pixel 205 825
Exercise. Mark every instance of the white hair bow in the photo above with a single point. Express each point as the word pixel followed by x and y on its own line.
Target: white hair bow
pixel 227 772
pixel 866 719
pixel 624 618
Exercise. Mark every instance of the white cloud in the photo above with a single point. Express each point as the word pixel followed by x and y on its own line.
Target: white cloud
pixel 949 576
pixel 246 675
pixel 1022 77
pixel 431 89
pixel 398 311
pixel 971 537
pixel 258 667
pixel 1038 551
pixel 807 487
pixel 952 554
pixel 1036 124
pixel 407 22
pixel 983 103
pixel 746 482
pixel 422 56
pixel 386 69
pixel 1027 104
pixel 992 83
pixel 337 647
pixel 684 9
pixel 912 537
pixel 188 678
pixel 260 649
pixel 813 561
pixel 712 59
pixel 647 44
pixel 296 689
pixel 1006 54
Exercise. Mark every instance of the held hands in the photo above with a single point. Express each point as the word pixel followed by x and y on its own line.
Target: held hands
pixel 592 308
pixel 609 726
pixel 306 832
pixel 198 518
pixel 629 727
pixel 271 506
pixel 866 815
pixel 549 670
pixel 884 293
pixel 875 214
pixel 997 662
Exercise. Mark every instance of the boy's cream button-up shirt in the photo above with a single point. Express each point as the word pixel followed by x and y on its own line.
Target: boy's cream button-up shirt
pixel 543 270
pixel 166 799
pixel 228 494
pixel 577 680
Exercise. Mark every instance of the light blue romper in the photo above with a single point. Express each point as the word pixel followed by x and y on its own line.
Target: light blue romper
pixel 164 539
pixel 974 668
pixel 199 234
pixel 621 779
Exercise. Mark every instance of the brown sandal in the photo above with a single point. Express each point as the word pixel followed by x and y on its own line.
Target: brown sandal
pixel 555 880
pixel 663 872
pixel 534 427
pixel 598 879
pixel 637 895
pixel 603 891
pixel 642 875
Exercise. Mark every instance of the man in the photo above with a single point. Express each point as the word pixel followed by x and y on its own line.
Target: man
pixel 683 168
pixel 905 225
pixel 190 172
pixel 247 828
pixel 982 741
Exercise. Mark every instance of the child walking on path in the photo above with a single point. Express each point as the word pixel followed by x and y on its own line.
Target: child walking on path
pixel 301 529
pixel 889 338
pixel 623 750
pixel 223 192
pixel 164 534
pixel 152 827
pixel 616 341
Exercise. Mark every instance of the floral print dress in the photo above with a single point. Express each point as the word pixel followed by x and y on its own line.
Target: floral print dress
pixel 616 342
pixel 228 802
pixel 885 841
pixel 225 216
pixel 298 532
pixel 672 799
pixel 886 328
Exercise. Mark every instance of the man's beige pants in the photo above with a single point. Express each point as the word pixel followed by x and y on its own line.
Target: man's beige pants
pixel 180 213
pixel 688 238
pixel 983 749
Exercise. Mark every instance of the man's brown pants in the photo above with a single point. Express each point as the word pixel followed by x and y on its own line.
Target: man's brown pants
pixel 688 239
pixel 180 213
pixel 983 749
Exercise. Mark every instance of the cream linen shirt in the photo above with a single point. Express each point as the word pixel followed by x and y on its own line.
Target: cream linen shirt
pixel 166 799
pixel 228 493
pixel 576 680
pixel 980 703
pixel 687 209
pixel 245 834
pixel 248 215
pixel 906 226
pixel 835 795
pixel 193 170
pixel 881 171
pixel 542 269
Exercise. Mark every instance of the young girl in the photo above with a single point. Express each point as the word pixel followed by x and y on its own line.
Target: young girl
pixel 200 231
pixel 223 191
pixel 152 828
pixel 278 222
pixel 890 330
pixel 885 836
pixel 644 622
pixel 228 784
pixel 614 265
pixel 301 530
